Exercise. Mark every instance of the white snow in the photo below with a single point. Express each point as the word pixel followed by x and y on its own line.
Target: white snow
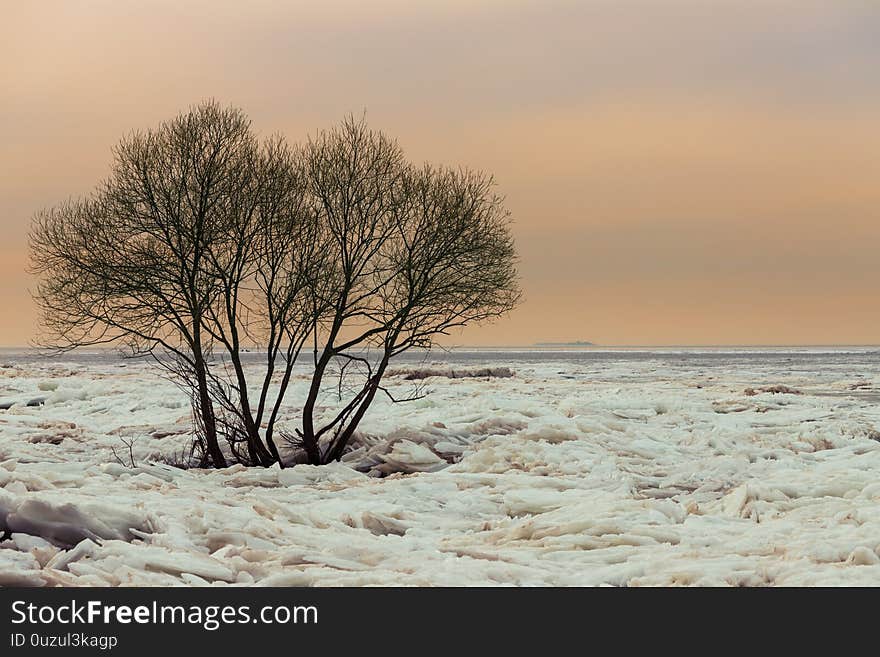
pixel 621 469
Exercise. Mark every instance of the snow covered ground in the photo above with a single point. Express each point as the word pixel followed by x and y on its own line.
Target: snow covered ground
pixel 586 467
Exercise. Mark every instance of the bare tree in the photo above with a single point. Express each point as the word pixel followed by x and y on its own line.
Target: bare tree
pixel 204 241
pixel 416 252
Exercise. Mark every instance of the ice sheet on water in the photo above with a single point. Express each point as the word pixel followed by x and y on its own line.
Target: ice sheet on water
pixel 633 468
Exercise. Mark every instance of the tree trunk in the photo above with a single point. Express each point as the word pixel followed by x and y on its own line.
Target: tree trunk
pixel 206 410
pixel 273 449
pixel 270 425
pixel 310 443
pixel 336 448
pixel 257 452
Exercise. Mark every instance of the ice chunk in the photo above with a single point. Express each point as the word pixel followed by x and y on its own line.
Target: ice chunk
pixel 303 474
pixel 67 523
pixel 407 456
pixel 863 556
pixel 19 569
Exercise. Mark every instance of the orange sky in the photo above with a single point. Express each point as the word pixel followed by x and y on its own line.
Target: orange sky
pixel 680 172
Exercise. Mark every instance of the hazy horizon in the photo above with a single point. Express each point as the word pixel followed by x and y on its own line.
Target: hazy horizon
pixel 680 173
pixel 563 346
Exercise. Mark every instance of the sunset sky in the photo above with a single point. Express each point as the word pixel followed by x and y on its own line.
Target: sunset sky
pixel 679 171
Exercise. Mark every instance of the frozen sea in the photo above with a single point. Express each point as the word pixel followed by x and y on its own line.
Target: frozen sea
pixel 635 467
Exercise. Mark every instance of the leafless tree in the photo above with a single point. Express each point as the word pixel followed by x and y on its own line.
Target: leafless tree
pixel 204 241
pixel 416 252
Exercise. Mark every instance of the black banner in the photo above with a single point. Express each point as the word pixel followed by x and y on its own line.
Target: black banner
pixel 230 620
pixel 378 620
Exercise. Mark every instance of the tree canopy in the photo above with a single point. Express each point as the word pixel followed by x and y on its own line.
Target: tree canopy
pixel 205 242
